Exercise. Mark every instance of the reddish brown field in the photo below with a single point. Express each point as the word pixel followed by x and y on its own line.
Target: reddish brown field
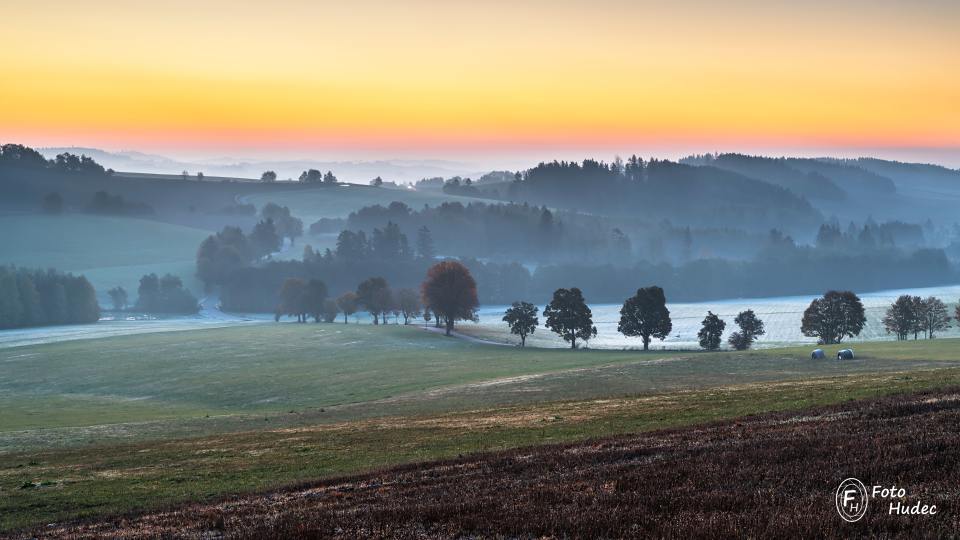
pixel 771 476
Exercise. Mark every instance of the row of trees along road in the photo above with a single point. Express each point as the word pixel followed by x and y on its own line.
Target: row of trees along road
pixel 644 315
pixel 915 315
pixel 448 294
pixel 711 331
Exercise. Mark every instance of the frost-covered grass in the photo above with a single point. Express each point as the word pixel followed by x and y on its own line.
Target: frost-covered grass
pixel 265 368
pixel 289 372
pixel 100 477
pixel 128 423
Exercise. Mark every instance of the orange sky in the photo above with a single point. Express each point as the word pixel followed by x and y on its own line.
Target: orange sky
pixel 446 75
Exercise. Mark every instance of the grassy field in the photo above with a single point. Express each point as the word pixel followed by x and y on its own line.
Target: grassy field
pixel 265 369
pixel 44 486
pixel 771 475
pixel 355 371
pixel 110 251
pixel 196 415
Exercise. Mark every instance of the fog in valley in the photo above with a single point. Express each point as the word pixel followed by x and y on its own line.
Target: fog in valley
pixel 707 228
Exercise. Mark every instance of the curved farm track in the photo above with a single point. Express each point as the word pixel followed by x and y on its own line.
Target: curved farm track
pixel 763 476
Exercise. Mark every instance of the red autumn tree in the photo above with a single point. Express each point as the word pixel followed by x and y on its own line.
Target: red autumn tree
pixel 450 292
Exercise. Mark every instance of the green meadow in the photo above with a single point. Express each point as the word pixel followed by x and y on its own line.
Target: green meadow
pixel 362 370
pixel 129 423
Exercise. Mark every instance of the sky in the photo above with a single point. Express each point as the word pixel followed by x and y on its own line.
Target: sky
pixel 423 78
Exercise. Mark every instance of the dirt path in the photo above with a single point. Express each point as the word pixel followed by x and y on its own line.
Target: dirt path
pixel 466 337
pixel 122 324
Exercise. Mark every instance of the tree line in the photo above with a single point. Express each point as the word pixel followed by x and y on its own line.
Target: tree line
pixel 24 157
pixel 502 231
pixel 229 260
pixel 447 294
pixel 156 295
pixel 796 273
pixel 644 315
pixel 104 203
pixel 870 237
pixel 536 233
pixel 45 297
pixel 164 295
pixel 813 178
pixel 772 265
pixel 239 262
pixel 915 315
pixel 222 254
pixel 310 176
pixel 700 195
pixel 830 318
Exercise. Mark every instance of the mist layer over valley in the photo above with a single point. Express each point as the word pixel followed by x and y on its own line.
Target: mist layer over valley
pixel 707 228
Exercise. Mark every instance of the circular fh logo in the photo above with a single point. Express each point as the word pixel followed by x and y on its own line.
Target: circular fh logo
pixel 852 499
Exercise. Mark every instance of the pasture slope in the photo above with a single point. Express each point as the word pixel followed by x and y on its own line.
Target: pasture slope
pixel 766 476
pixel 109 251
pixel 134 424
pixel 337 202
pixel 359 371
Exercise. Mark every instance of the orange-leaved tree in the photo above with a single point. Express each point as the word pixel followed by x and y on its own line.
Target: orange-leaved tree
pixel 450 292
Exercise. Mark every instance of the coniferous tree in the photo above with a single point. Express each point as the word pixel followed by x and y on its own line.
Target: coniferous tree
pixel 425 249
pixel 40 297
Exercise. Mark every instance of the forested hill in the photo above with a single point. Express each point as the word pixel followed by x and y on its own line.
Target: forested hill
pixel 814 179
pixel 854 189
pixel 663 190
pixel 909 176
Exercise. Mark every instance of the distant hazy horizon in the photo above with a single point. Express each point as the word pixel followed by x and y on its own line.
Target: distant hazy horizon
pixel 473 163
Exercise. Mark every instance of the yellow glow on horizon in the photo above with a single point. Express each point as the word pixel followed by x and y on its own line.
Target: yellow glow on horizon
pixel 424 74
